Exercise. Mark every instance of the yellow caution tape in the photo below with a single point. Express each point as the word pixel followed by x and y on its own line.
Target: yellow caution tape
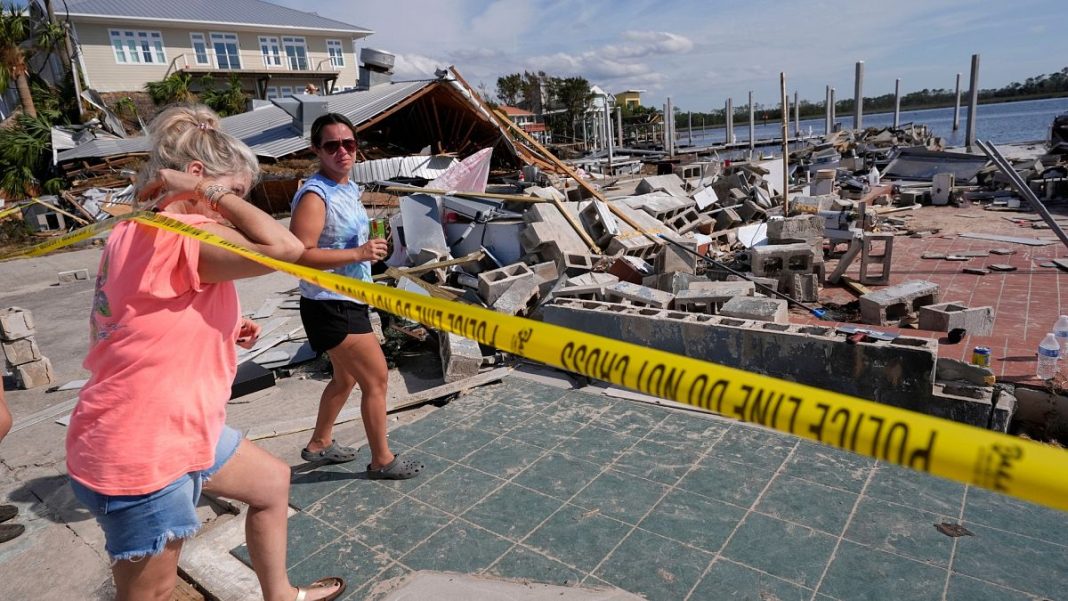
pixel 1010 465
pixel 10 211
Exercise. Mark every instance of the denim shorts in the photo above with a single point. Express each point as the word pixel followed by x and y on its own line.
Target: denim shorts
pixel 139 526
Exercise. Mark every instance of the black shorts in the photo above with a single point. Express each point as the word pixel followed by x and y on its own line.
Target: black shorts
pixel 328 322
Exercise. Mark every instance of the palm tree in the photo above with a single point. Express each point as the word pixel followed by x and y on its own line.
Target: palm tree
pixel 174 88
pixel 15 29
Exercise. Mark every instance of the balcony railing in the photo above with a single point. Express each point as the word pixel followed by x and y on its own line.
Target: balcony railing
pixel 245 61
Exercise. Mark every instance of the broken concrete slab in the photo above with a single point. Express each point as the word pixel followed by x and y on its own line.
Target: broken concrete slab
pixel 15 323
pixel 774 310
pixel 66 277
pixel 23 350
pixel 34 374
pixel 953 369
pixel 680 256
pixel 799 228
pixel 975 270
pixel 518 298
pixel 460 357
pixel 1001 267
pixel 709 297
pixel 943 317
pixel 635 294
pixel 671 184
pixel 672 282
pixel 894 303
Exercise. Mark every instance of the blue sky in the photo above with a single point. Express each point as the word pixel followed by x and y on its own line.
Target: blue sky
pixel 700 52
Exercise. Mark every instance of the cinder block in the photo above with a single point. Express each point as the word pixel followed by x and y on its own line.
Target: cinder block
pixel 492 284
pixel 593 278
pixel 460 357
pixel 778 259
pixel 600 222
pixel 673 282
pixel 756 308
pixel 638 295
pixel 727 218
pixel 685 221
pixel 593 292
pixel 15 323
pixel 518 298
pixel 671 183
pixel 943 317
pixel 894 303
pixel 66 277
pixel 806 228
pixel 34 374
pixel 23 350
pixel 671 257
pixel 804 287
pixel 721 292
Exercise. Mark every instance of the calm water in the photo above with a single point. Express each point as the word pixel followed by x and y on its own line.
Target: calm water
pixel 999 123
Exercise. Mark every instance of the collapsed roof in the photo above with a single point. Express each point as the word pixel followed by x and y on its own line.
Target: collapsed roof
pixel 393 119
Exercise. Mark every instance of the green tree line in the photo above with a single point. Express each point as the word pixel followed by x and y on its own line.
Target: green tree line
pixel 1040 86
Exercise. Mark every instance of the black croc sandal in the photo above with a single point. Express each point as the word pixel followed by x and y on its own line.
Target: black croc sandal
pixel 398 469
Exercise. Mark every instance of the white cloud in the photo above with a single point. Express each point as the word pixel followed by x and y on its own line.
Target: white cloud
pixel 413 66
pixel 647 43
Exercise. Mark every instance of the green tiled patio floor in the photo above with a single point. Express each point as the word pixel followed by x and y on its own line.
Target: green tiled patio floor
pixel 532 482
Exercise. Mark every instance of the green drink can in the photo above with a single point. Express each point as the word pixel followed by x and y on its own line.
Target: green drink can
pixel 378 227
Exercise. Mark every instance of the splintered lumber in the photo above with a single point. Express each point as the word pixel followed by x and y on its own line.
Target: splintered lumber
pixel 421 269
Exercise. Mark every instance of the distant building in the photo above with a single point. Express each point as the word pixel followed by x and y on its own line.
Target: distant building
pixel 276 51
pixel 528 121
pixel 629 98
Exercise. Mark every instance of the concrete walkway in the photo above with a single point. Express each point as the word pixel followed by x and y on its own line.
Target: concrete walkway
pixel 533 483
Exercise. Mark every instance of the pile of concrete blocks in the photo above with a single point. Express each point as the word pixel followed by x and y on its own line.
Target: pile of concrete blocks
pixel 551 237
pixel 31 369
pixel 798 268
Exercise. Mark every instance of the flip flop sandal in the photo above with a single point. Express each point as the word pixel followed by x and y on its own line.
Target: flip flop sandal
pixel 331 454
pixel 7 512
pixel 10 531
pixel 398 469
pixel 302 591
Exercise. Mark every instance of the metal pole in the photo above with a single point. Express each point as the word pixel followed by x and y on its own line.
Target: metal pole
pixel 834 108
pixel 671 128
pixel 797 116
pixel 608 127
pixel 585 136
pixel 956 107
pixel 1022 187
pixel 689 127
pixel 785 147
pixel 897 102
pixel 729 135
pixel 973 102
pixel 619 124
pixel 858 96
pixel 752 129
pixel 664 136
pixel 827 113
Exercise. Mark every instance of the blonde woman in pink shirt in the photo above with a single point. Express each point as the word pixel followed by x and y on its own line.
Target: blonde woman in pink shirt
pixel 148 433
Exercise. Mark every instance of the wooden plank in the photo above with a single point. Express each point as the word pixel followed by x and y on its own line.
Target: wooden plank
pixel 420 269
pixel 855 286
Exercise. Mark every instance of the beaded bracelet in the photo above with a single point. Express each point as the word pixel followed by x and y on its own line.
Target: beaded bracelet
pixel 214 193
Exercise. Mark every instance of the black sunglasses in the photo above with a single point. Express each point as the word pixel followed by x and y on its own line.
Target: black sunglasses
pixel 349 144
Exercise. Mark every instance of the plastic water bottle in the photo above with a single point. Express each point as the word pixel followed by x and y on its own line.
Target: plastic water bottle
pixel 1060 330
pixel 1048 353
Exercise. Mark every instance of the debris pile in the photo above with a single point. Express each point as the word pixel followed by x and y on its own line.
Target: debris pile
pixel 17 338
